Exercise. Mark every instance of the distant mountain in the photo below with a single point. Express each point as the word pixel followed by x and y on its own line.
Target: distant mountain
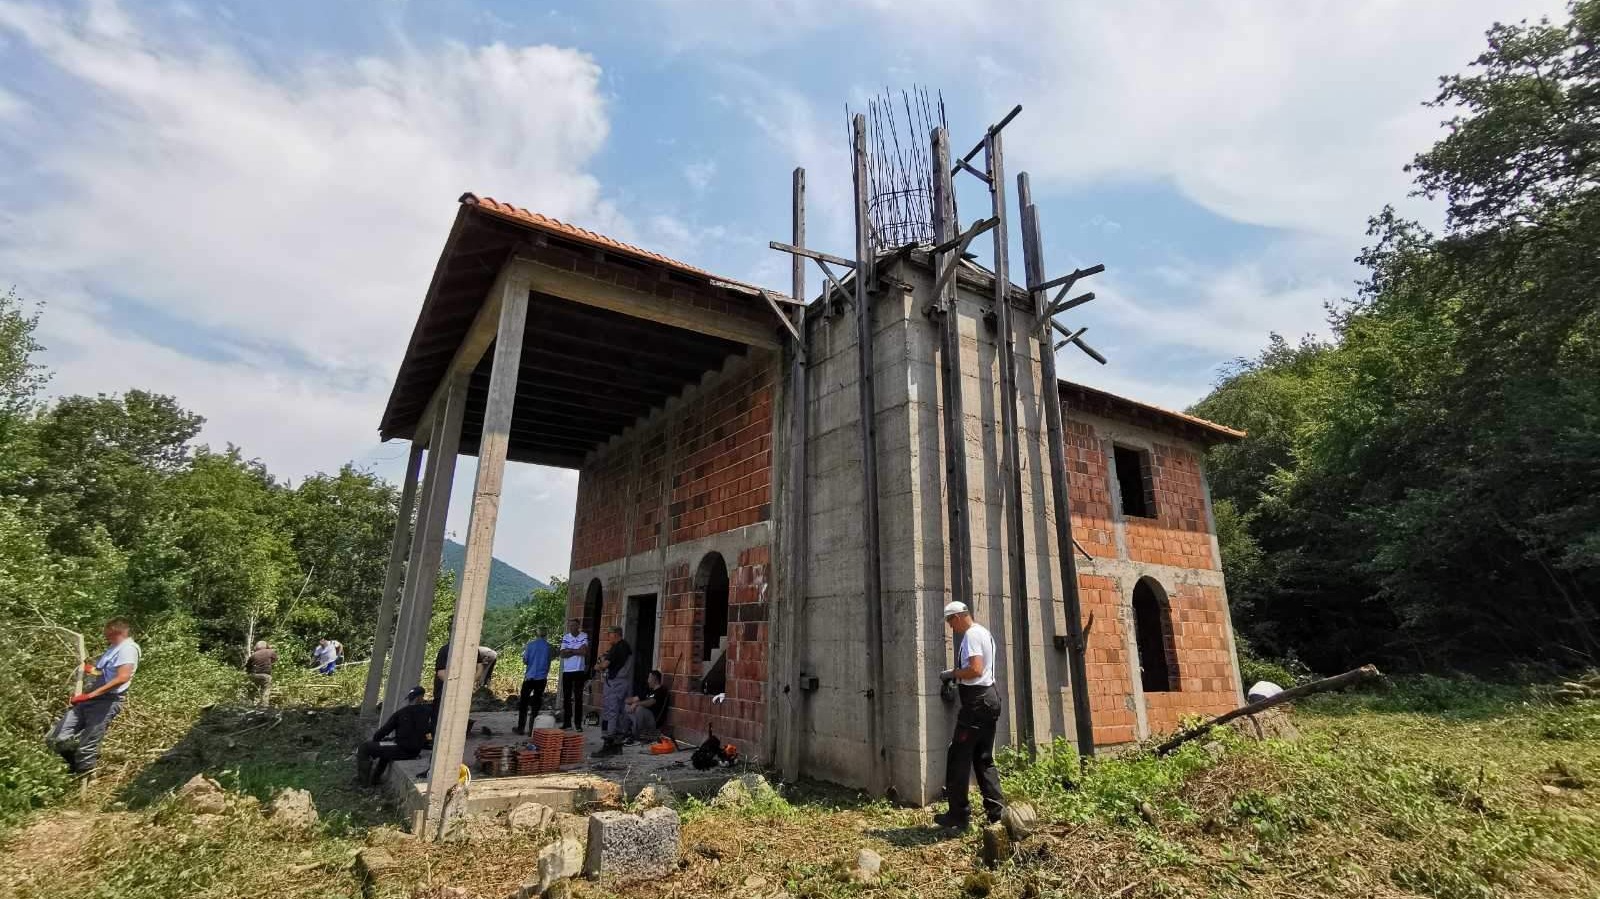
pixel 507 585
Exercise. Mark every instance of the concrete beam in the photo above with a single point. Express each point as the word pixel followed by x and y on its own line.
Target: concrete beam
pixel 449 739
pixel 579 288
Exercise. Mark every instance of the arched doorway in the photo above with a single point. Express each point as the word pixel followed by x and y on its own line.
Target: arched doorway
pixel 593 603
pixel 1153 637
pixel 711 586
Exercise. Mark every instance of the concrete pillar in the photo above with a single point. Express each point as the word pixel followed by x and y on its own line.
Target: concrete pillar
pixel 427 544
pixel 399 546
pixel 449 737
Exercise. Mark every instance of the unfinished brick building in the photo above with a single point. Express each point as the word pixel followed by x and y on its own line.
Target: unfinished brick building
pixel 803 486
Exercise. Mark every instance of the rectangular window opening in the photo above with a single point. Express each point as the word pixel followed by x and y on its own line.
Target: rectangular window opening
pixel 1134 481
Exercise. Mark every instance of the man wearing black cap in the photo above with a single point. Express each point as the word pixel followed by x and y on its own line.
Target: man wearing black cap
pixel 410 725
pixel 972 745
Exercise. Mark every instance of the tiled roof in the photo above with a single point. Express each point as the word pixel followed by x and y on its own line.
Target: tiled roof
pixel 584 235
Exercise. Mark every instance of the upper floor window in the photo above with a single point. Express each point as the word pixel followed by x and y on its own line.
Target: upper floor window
pixel 1135 481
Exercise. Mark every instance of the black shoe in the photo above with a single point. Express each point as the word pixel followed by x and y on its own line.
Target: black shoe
pixel 949 820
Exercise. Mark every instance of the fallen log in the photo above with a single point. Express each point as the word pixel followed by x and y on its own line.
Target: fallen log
pixel 1337 682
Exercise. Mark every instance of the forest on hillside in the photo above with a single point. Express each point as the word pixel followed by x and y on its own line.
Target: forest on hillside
pixel 1423 489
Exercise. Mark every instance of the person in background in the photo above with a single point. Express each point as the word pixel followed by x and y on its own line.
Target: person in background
pixel 574 672
pixel 535 677
pixel 617 663
pixel 325 658
pixel 259 667
pixel 410 726
pixel 338 652
pixel 646 714
pixel 972 744
pixel 76 737
pixel 487 658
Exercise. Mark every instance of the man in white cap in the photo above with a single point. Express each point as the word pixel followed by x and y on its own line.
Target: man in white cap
pixel 972 745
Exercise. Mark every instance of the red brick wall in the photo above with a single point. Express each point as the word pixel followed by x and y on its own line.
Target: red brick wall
pixel 649 524
pixel 741 717
pixel 1178 536
pixel 1200 633
pixel 598 520
pixel 1107 661
pixel 721 470
pixel 1089 497
pixel 722 465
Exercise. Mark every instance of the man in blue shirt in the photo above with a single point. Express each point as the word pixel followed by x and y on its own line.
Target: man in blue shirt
pixel 536 656
pixel 77 737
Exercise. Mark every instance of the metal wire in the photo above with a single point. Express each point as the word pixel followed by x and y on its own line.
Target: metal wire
pixel 899 167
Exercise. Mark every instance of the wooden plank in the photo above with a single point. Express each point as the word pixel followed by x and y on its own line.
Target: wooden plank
pixel 1021 641
pixel 1060 484
pixel 427 546
pixel 606 295
pixel 475 342
pixel 449 740
pixel 789 640
pixel 872 575
pixel 399 544
pixel 955 441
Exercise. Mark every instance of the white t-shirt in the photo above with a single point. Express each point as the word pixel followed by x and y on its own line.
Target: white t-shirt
pixel 125 653
pixel 575 662
pixel 977 641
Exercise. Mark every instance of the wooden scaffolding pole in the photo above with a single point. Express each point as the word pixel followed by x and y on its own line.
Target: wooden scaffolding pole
pixel 792 635
pixel 399 546
pixel 872 581
pixel 1021 638
pixel 1033 269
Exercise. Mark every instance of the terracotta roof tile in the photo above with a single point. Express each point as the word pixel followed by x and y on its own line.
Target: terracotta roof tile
pixel 584 235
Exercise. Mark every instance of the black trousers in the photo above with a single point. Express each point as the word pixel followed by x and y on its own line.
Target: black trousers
pixel 972 753
pixel 532 699
pixel 572 683
pixel 373 758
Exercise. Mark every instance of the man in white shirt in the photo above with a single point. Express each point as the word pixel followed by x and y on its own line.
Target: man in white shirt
pixel 77 737
pixel 972 745
pixel 574 673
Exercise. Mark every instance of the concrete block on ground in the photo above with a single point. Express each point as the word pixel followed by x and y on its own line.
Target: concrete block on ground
pixel 625 847
pixel 530 817
pixel 559 861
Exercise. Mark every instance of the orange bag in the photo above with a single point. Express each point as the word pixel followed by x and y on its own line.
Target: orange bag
pixel 663 746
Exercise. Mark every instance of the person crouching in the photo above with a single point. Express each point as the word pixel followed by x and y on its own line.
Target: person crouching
pixel 410 726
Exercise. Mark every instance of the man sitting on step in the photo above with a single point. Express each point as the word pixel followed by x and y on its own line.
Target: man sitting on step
pixel 410 726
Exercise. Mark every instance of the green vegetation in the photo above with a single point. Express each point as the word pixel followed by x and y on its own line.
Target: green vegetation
pixel 1424 490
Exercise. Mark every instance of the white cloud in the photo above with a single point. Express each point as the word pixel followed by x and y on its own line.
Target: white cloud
pixel 700 174
pixel 289 217
pixel 11 105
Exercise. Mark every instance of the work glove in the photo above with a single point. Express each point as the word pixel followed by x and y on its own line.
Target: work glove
pixel 80 697
pixel 946 677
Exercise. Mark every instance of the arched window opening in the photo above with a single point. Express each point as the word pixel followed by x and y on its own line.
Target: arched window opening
pixel 593 605
pixel 1152 631
pixel 711 584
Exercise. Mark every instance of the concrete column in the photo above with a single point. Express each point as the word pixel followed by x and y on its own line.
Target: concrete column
pixel 428 543
pixel 449 737
pixel 398 549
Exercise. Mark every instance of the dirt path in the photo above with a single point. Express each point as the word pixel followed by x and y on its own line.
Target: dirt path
pixel 54 840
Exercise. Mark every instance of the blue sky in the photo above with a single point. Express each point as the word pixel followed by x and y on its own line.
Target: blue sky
pixel 240 203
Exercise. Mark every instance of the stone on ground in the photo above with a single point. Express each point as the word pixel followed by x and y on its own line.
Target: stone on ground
pixel 653 796
pixel 625 847
pixel 1020 821
pixel 376 868
pixel 202 796
pixel 597 795
pixel 559 861
pixel 530 817
pixel 867 866
pixel 293 808
pixel 743 790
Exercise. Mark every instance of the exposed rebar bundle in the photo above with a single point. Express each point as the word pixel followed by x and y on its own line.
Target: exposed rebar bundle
pixel 900 189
